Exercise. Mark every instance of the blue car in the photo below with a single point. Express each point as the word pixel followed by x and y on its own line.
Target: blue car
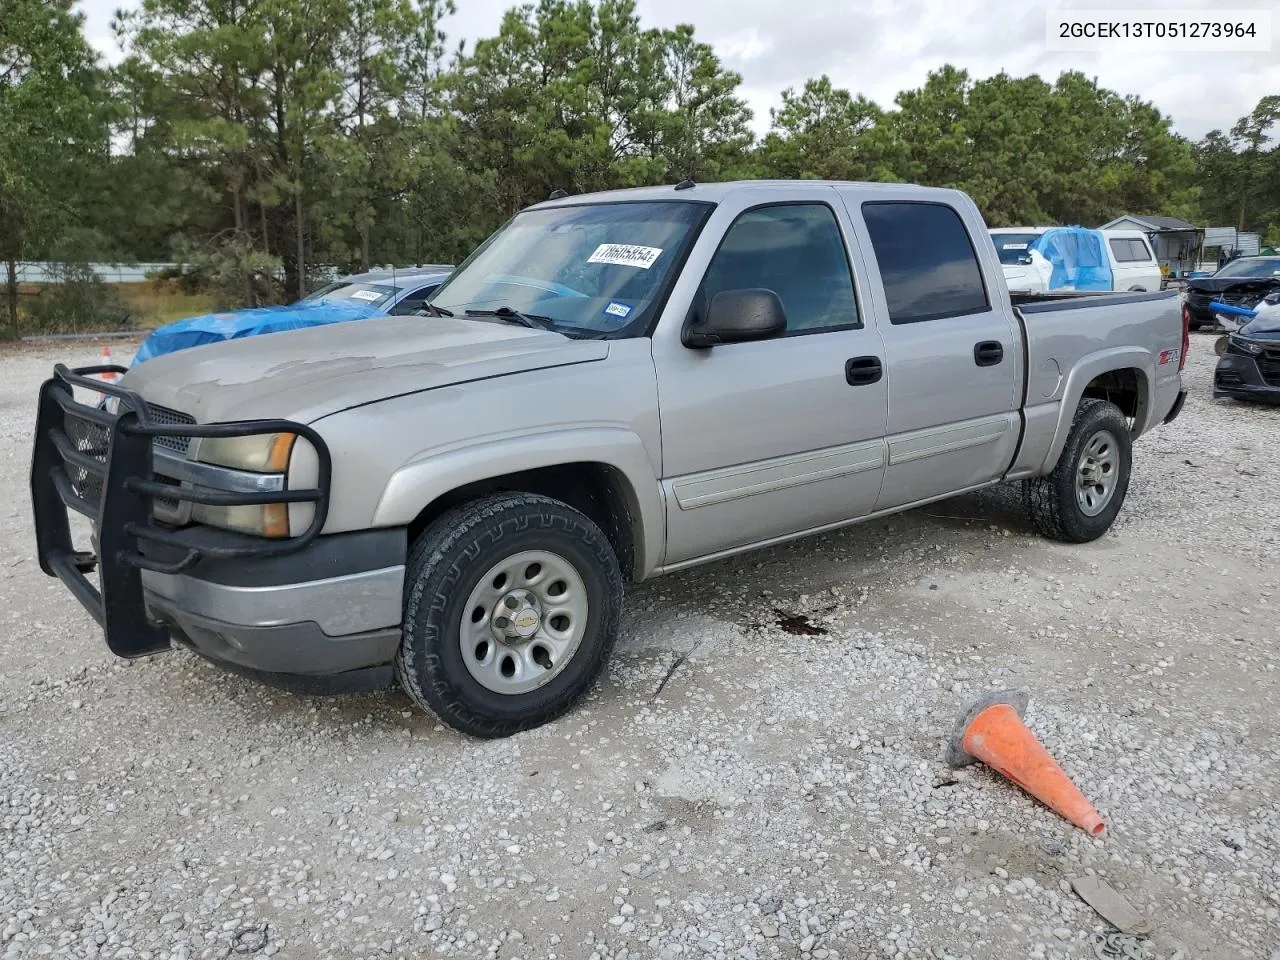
pixel 357 297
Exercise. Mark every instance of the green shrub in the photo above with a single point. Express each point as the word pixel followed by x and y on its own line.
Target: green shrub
pixel 78 301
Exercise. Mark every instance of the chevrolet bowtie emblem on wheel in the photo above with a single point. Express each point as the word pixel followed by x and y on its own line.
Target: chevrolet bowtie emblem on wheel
pixel 526 622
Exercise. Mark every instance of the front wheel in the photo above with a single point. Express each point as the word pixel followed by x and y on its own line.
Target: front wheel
pixel 512 605
pixel 1080 499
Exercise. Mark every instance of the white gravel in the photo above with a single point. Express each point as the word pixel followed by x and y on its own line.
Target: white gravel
pixel 782 797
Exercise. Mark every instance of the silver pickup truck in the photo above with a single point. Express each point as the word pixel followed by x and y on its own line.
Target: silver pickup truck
pixel 612 387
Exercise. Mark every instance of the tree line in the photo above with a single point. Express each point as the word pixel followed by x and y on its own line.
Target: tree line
pixel 254 139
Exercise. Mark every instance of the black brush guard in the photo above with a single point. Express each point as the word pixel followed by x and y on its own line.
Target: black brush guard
pixel 112 453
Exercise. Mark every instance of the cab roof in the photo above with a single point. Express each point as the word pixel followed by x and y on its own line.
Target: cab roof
pixel 408 273
pixel 716 192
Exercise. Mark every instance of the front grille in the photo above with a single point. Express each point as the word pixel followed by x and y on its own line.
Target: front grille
pixel 92 439
pixel 169 418
pixel 1201 299
pixel 1270 370
pixel 170 505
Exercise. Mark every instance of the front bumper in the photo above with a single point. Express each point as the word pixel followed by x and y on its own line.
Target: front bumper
pixel 1247 378
pixel 328 620
pixel 303 606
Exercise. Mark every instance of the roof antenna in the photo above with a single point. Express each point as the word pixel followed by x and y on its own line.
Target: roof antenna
pixel 558 194
pixel 685 185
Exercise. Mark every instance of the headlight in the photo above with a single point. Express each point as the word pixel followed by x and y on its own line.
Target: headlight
pixel 1244 346
pixel 260 453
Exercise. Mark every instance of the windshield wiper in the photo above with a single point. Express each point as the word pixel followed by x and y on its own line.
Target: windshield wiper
pixel 524 319
pixel 434 311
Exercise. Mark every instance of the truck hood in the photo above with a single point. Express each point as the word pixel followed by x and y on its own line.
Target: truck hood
pixel 307 374
pixel 1233 285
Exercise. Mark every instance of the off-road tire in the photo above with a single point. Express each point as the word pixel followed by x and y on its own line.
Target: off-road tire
pixel 1051 500
pixel 447 560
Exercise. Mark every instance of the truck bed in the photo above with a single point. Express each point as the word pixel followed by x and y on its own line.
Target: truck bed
pixel 1072 339
pixel 1030 301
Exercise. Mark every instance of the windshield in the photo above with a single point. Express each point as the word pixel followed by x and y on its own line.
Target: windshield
pixel 1251 267
pixel 368 294
pixel 591 270
pixel 1012 247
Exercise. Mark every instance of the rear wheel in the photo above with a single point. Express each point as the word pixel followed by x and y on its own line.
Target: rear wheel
pixel 1080 499
pixel 511 609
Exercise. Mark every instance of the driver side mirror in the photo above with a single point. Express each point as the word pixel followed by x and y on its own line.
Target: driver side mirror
pixel 738 316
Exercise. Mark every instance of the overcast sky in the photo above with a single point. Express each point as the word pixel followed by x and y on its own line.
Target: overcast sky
pixel 878 47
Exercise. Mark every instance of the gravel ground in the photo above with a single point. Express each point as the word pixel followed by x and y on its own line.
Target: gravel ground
pixel 781 796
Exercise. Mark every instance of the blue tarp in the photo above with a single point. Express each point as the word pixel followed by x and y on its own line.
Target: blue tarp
pixel 1230 310
pixel 216 327
pixel 1078 258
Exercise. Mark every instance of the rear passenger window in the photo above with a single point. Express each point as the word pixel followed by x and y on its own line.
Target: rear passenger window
pixel 927 261
pixel 796 251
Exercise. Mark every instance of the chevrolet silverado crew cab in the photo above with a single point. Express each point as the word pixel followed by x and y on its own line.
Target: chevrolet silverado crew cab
pixel 613 386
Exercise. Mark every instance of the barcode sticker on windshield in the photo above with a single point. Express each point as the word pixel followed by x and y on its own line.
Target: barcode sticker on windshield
pixel 625 255
pixel 1015 246
pixel 365 295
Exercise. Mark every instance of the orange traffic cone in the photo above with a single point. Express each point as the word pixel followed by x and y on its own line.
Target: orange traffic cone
pixel 110 376
pixel 991 730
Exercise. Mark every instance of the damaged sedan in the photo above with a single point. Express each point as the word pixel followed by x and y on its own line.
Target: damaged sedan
pixel 1249 364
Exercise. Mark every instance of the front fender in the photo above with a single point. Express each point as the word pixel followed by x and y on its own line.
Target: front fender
pixel 424 479
pixel 1079 378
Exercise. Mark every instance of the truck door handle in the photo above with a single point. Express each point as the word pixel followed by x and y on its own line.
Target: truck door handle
pixel 988 353
pixel 861 371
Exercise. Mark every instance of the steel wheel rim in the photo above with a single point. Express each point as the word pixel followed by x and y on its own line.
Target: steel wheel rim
pixel 1097 473
pixel 523 622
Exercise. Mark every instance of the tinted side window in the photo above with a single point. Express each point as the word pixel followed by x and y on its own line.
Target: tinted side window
pixel 927 261
pixel 1128 250
pixel 796 251
pixel 1120 250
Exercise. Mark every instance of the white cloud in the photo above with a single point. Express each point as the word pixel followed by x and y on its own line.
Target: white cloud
pixel 743 46
pixel 879 47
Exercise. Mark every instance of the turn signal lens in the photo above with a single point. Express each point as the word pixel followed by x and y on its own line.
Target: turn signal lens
pixel 259 519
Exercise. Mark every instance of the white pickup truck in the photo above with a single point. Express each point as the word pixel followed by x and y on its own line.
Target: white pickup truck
pixel 1133 266
pixel 612 387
